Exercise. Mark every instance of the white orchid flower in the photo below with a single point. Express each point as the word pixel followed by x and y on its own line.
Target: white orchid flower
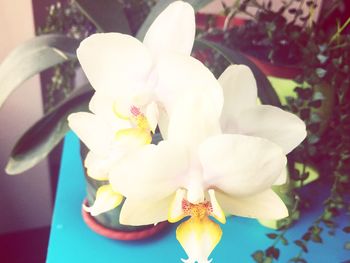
pixel 127 70
pixel 243 115
pixel 200 172
pixel 125 74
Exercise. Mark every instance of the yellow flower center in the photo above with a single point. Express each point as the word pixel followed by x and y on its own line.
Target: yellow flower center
pixel 140 132
pixel 139 119
pixel 199 211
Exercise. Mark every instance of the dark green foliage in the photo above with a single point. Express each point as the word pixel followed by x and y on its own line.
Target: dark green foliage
pixel 46 133
pixel 272 235
pixel 302 245
pixel 347 229
pixel 258 256
pixel 272 252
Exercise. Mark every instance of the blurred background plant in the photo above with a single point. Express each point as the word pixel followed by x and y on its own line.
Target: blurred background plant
pixel 312 54
pixel 307 62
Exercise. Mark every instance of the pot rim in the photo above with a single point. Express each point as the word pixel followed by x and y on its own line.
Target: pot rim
pixel 119 234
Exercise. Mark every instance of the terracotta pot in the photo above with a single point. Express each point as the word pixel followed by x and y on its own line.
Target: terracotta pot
pixel 121 233
pixel 107 224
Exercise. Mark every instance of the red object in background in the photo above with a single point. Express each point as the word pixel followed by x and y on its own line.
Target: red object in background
pixel 121 235
pixel 218 21
pixel 279 71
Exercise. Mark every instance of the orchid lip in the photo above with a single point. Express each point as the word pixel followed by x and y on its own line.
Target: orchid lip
pixel 199 234
pixel 182 207
pixel 199 211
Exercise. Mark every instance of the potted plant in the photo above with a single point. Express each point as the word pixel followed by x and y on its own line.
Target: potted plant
pixel 57 39
pixel 278 44
pixel 54 125
pixel 284 48
pixel 317 94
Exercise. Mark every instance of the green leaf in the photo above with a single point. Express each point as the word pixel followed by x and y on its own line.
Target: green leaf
pixel 302 245
pixel 347 245
pixel 271 235
pixel 318 96
pixel 258 256
pixel 315 230
pixel 106 15
pixel 306 236
pixel 315 118
pixel 267 260
pixel 45 134
pixel 32 57
pixel 316 238
pixel 265 91
pixel 272 252
pixel 159 7
pixel 284 241
pixel 321 72
pixel 347 229
pixel 322 58
pixel 313 138
pixel 322 47
pixel 298 260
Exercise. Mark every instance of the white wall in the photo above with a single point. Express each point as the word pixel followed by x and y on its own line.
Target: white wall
pixel 24 199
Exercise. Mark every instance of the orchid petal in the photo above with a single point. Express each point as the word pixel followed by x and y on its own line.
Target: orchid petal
pixel 195 117
pixel 194 186
pixel 173 30
pixel 139 213
pixel 240 92
pixel 282 179
pixel 179 75
pixel 150 173
pixel 216 212
pixel 240 165
pixel 104 106
pixel 198 237
pixel 163 122
pixel 133 137
pixel 93 131
pixel 115 63
pixel 152 115
pixel 264 205
pixel 97 168
pixel 106 199
pixel 176 212
pixel 280 127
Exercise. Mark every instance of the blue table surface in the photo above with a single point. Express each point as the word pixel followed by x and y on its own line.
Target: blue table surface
pixel 72 241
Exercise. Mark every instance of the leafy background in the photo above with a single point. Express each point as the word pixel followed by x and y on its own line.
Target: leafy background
pixel 320 50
